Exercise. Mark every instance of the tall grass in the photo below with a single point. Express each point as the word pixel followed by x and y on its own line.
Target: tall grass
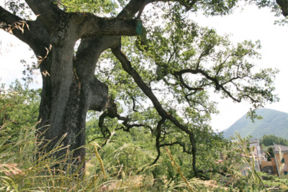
pixel 21 171
pixel 124 164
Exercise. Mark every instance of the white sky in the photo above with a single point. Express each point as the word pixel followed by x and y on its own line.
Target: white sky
pixel 247 24
pixel 253 24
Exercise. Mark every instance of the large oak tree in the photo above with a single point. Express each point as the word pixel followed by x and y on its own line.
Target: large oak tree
pixel 165 49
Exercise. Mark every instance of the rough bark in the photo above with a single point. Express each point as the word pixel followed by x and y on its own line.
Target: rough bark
pixel 69 87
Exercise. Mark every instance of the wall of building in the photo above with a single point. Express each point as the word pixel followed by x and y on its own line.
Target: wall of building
pixel 282 163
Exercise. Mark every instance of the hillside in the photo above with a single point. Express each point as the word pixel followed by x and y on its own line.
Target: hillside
pixel 273 122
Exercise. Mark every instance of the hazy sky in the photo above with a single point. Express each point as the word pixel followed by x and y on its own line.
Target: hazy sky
pixel 247 24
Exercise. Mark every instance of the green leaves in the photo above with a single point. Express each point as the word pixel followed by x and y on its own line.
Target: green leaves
pixel 18 109
pixel 183 64
pixel 93 6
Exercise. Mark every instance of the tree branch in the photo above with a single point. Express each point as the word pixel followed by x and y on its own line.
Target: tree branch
pixel 188 4
pixel 132 8
pixel 139 81
pixel 91 25
pixel 104 130
pixel 213 79
pixel 30 32
pixel 8 18
pixel 284 6
pixel 135 6
pixel 47 11
pixel 158 135
pixel 148 92
pixel 177 143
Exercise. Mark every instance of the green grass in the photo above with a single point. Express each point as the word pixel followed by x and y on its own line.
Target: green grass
pixel 123 164
pixel 19 171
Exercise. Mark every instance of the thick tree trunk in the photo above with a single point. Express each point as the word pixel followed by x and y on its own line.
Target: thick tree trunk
pixel 70 88
pixel 69 85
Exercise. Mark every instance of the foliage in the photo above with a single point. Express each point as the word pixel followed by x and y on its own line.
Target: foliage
pixel 160 90
pixel 275 183
pixel 97 7
pixel 268 140
pixel 183 63
pixel 124 162
pixel 20 171
pixel 18 109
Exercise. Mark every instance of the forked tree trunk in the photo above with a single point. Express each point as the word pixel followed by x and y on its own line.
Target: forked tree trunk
pixel 70 88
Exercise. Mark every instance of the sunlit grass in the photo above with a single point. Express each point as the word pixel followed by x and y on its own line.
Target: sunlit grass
pixel 119 168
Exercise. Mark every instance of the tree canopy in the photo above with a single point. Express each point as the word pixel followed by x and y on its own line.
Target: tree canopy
pixel 268 140
pixel 145 63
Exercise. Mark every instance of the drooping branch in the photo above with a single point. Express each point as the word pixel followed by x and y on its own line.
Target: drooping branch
pixel 103 128
pixel 194 151
pixel 139 81
pixel 126 126
pixel 111 112
pixel 157 142
pixel 184 84
pixel 148 92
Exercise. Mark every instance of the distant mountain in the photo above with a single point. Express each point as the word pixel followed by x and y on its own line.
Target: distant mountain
pixel 273 122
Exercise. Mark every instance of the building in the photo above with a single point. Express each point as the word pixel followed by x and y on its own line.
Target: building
pixel 281 159
pixel 278 163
